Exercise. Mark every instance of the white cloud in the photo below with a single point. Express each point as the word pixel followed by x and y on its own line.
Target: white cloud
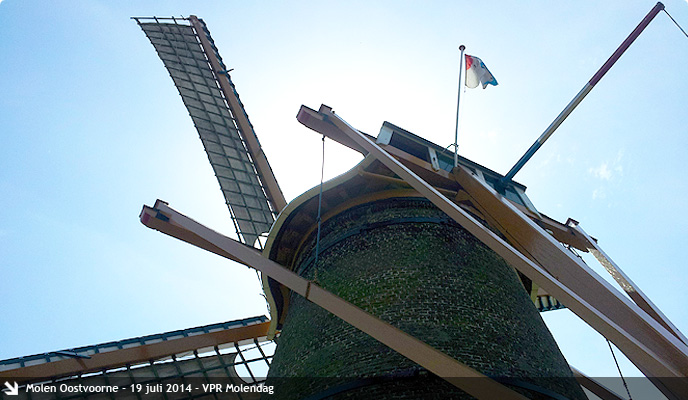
pixel 606 171
pixel 550 157
pixel 602 172
pixel 598 194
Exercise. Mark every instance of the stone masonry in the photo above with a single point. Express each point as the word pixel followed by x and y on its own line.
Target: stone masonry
pixel 406 262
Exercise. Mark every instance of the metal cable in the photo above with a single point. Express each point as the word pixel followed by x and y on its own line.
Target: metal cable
pixel 317 240
pixel 677 25
pixel 619 369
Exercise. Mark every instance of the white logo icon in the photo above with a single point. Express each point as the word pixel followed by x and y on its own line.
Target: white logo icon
pixel 12 390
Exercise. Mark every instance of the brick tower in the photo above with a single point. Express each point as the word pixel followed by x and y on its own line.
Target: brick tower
pixel 391 252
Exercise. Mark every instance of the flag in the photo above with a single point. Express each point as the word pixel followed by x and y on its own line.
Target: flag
pixel 477 73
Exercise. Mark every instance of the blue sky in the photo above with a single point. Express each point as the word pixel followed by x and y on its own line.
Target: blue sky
pixel 93 128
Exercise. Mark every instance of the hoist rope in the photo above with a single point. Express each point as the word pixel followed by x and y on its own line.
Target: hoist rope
pixel 317 240
pixel 677 25
pixel 619 369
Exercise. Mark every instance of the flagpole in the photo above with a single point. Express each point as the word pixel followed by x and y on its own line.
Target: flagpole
pixel 458 102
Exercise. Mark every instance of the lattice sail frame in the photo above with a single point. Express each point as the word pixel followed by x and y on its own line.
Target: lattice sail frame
pixel 243 360
pixel 179 46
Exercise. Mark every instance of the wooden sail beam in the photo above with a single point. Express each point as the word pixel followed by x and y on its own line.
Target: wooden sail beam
pixel 267 177
pixel 133 355
pixel 584 92
pixel 626 283
pixel 594 386
pixel 169 221
pixel 444 180
pixel 656 352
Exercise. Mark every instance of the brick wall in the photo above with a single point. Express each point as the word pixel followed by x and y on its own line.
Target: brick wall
pixel 404 261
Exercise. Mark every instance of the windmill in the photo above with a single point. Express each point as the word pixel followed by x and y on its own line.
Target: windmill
pixel 253 211
pixel 397 161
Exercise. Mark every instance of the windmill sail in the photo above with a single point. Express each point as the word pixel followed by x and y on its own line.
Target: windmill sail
pixel 247 182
